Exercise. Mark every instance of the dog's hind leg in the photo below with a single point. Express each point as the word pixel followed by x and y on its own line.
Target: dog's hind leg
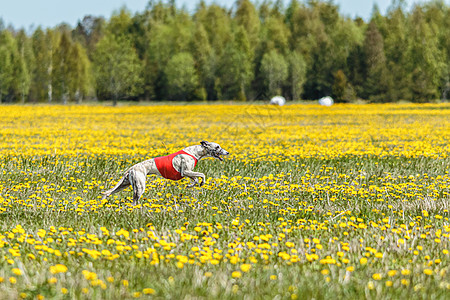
pixel 122 184
pixel 137 180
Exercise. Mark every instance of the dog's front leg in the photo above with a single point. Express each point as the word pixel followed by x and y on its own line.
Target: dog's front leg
pixel 186 171
pixel 193 183
pixel 194 175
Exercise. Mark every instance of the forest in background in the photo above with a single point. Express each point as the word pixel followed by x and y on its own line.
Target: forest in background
pixel 304 50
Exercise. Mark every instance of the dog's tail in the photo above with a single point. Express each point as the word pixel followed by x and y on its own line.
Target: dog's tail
pixel 108 193
pixel 104 195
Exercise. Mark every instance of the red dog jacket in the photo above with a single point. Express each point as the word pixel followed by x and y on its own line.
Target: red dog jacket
pixel 165 166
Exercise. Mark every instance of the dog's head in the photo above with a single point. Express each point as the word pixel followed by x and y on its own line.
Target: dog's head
pixel 214 149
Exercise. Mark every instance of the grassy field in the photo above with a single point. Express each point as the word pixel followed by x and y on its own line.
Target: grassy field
pixel 346 202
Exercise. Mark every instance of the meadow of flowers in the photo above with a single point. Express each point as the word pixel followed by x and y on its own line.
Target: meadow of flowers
pixel 313 202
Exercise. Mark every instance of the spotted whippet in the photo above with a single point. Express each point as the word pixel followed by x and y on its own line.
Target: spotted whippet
pixel 174 166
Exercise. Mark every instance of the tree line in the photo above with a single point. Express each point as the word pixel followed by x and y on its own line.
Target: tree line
pixel 305 50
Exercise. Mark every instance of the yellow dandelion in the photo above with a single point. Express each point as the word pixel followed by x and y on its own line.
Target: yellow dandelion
pixel 246 267
pixel 428 272
pixel 392 273
pixel 148 291
pixel 58 268
pixel 52 280
pixel 236 274
pixel 376 276
pixel 17 271
pixel 208 274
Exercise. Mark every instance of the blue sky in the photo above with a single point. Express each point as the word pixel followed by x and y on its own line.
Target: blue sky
pixel 49 13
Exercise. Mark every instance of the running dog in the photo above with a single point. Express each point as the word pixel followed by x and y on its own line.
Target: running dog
pixel 174 167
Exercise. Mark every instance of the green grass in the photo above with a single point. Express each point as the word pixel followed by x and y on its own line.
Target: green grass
pixel 302 200
pixel 350 201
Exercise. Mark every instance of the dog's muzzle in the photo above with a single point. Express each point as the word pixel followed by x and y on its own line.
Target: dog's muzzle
pixel 218 155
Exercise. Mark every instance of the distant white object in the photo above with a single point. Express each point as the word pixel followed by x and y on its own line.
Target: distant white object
pixel 326 101
pixel 278 100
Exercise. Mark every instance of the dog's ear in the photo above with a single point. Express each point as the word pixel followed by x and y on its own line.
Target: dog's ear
pixel 204 143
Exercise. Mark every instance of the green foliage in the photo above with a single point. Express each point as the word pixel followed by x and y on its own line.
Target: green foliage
pixel 401 55
pixel 88 32
pixel 235 71
pixel 120 23
pixel 275 36
pixel 297 74
pixel 247 17
pixel 181 76
pixel 275 70
pixel 117 68
pixel 375 85
pixel 167 37
pixel 41 76
pixel 426 59
pixel 80 79
pixel 62 69
pixel 71 74
pixel 396 42
pixel 8 51
pixel 204 61
pixel 24 65
pixel 339 86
